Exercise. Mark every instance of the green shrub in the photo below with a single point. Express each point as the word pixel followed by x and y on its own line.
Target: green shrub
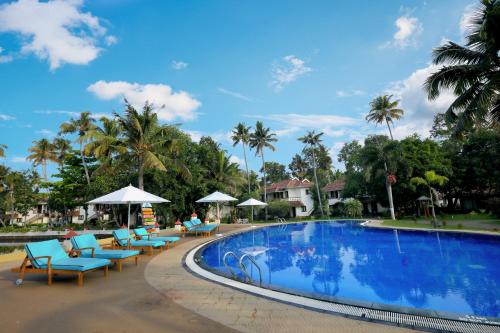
pixel 278 209
pixel 352 207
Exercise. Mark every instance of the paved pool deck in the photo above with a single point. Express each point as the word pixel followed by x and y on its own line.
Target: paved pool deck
pixel 159 295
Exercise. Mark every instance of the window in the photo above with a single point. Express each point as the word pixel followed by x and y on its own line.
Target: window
pixel 304 209
pixel 307 192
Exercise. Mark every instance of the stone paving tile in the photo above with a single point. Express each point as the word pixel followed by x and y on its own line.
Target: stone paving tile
pixel 239 310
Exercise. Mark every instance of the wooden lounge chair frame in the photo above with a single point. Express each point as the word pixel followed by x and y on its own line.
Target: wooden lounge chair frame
pixel 28 267
pixel 148 249
pixel 116 261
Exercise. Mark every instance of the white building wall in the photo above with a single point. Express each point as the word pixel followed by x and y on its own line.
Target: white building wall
pixel 306 199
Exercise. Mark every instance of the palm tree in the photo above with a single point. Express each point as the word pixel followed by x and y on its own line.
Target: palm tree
pixel 430 178
pixel 105 143
pixel 313 139
pixel 41 152
pixel 2 150
pixel 145 141
pixel 260 139
pixel 226 172
pixel 471 71
pixel 82 126
pixel 382 109
pixel 241 134
pixel 61 148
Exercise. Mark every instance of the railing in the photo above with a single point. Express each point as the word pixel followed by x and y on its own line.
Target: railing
pixel 248 277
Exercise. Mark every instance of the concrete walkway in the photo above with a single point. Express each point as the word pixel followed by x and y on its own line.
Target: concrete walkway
pixel 239 310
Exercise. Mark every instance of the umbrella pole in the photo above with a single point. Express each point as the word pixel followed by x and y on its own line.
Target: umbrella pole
pixel 218 213
pixel 128 218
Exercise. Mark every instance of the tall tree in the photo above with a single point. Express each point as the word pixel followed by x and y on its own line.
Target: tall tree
pixel 382 109
pixel 241 134
pixel 312 139
pixel 298 167
pixel 82 126
pixel 144 139
pixel 275 172
pixel 41 152
pixel 2 150
pixel 61 149
pixel 472 72
pixel 261 139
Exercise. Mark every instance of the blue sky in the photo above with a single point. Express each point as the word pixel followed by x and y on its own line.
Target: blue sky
pixel 296 65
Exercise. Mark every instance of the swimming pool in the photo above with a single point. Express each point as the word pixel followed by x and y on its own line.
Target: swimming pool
pixel 437 274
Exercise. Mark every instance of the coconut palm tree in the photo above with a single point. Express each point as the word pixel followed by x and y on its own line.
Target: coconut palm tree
pixel 106 143
pixel 382 109
pixel 82 126
pixel 145 141
pixel 41 152
pixel 261 139
pixel 226 173
pixel 61 148
pixel 430 178
pixel 312 139
pixel 241 134
pixel 2 150
pixel 471 71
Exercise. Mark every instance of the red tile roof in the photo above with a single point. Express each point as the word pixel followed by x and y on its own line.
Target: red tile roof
pixel 289 183
pixel 336 185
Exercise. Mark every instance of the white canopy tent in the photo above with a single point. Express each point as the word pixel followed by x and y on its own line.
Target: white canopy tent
pixel 218 198
pixel 128 195
pixel 252 203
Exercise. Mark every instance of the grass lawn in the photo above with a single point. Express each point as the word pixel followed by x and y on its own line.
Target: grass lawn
pixel 453 222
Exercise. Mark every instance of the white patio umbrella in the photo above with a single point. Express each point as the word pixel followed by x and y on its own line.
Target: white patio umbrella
pixel 252 203
pixel 218 198
pixel 128 195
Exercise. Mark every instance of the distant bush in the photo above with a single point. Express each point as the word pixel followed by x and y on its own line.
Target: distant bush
pixel 278 209
pixel 352 207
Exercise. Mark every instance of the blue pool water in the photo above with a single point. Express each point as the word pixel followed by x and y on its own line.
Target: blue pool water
pixel 454 274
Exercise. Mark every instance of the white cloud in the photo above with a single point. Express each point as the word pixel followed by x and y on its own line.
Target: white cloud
pixel 237 160
pixel 287 71
pixel 18 159
pixel 168 104
pixel 110 40
pixel 56 31
pixel 466 19
pixel 46 133
pixel 419 110
pixel 408 30
pixel 349 93
pixel 6 117
pixel 178 65
pixel 5 58
pixel 234 94
pixel 195 135
pixel 58 112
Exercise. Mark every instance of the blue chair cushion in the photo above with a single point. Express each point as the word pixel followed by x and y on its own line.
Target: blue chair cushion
pixel 171 239
pixel 207 227
pixel 140 232
pixel 112 254
pixel 84 241
pixel 147 243
pixel 121 234
pixel 50 248
pixel 77 264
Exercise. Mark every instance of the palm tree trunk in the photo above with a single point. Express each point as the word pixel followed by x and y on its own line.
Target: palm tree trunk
pixel 432 206
pixel 246 166
pixel 140 179
pixel 87 176
pixel 388 186
pixel 44 170
pixel 265 185
pixel 389 127
pixel 316 181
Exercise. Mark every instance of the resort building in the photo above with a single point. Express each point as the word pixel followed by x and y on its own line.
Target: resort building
pixel 294 191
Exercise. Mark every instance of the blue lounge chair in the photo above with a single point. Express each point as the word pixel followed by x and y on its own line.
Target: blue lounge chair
pixel 197 227
pixel 49 257
pixel 86 246
pixel 143 234
pixel 124 240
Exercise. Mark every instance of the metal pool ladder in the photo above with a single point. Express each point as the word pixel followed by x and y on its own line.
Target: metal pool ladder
pixel 248 277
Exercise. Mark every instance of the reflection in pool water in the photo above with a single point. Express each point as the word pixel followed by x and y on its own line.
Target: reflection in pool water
pixel 451 272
